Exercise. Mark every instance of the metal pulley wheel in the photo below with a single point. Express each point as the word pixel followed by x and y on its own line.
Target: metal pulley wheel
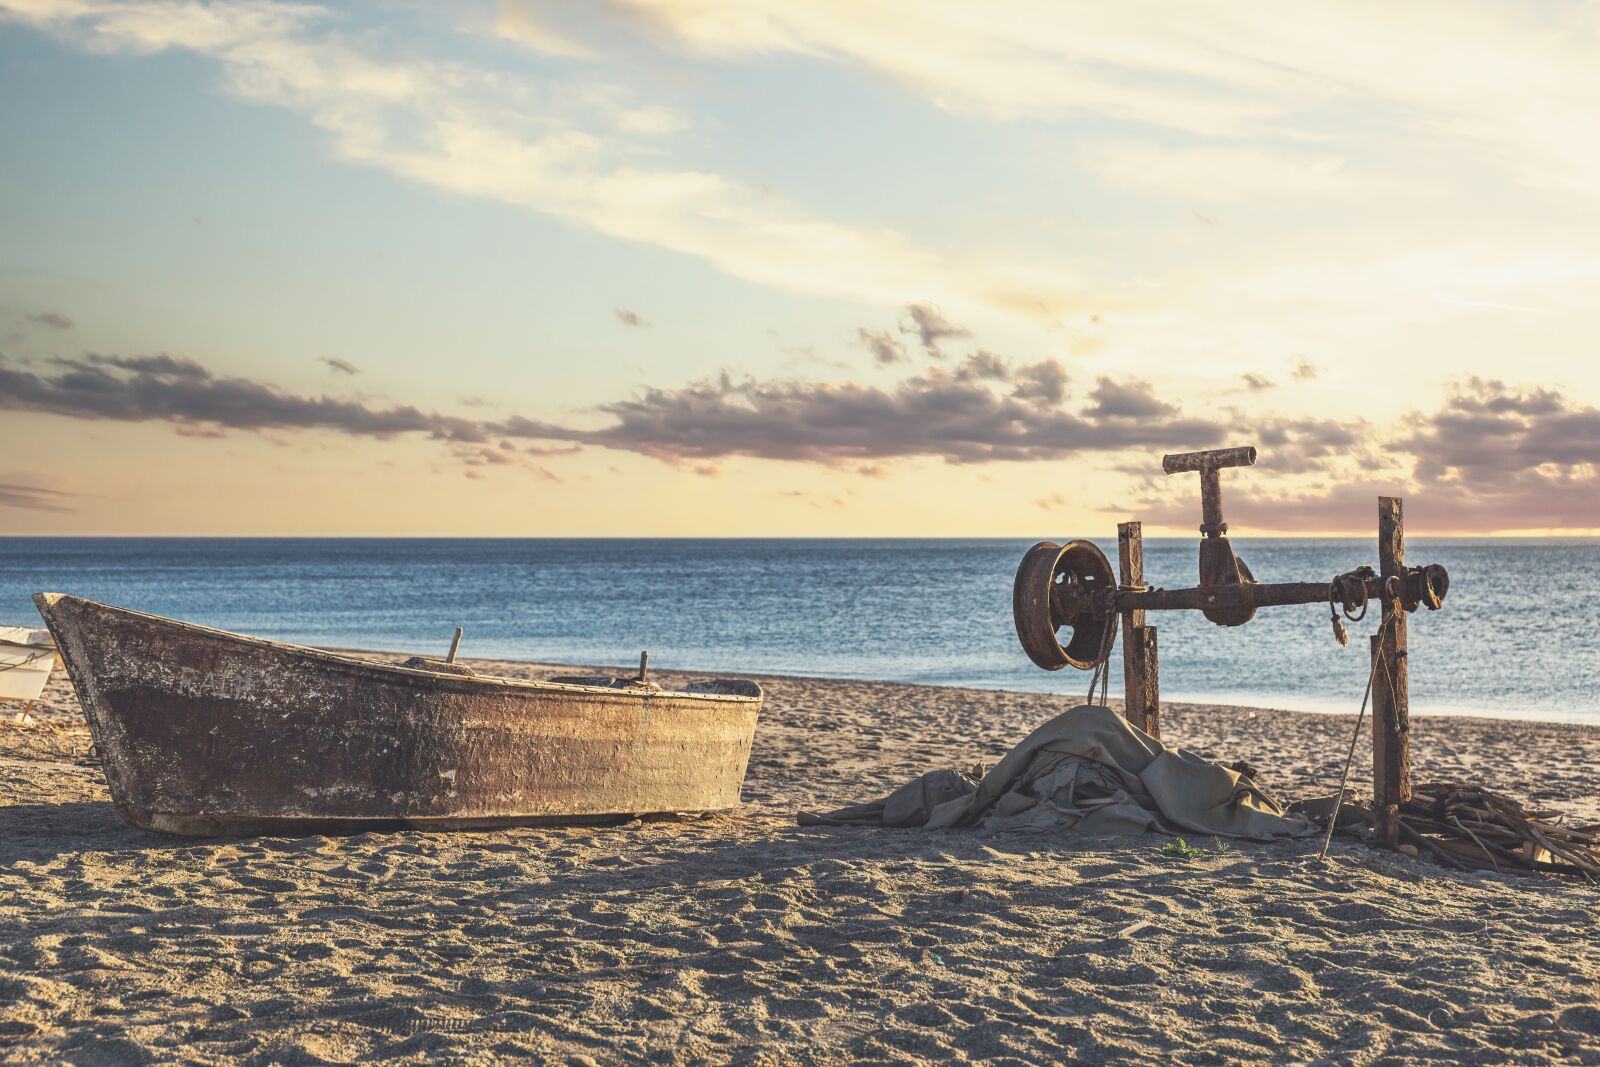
pixel 1426 587
pixel 1057 586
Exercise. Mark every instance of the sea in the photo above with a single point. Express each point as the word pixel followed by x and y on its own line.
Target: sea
pixel 1518 636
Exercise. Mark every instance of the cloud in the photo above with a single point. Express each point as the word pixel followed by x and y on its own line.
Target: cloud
pixel 1486 305
pixel 1127 400
pixel 192 429
pixel 340 366
pixel 931 327
pixel 986 366
pixel 1226 173
pixel 630 318
pixel 1257 383
pixel 1306 371
pixel 161 366
pixel 583 149
pixel 1435 74
pixel 1491 458
pixel 180 391
pixel 519 22
pixel 199 404
pixel 1490 439
pixel 935 415
pixel 53 319
pixel 1045 381
pixel 883 345
pixel 938 414
pixel 483 455
pixel 1300 446
pixel 34 497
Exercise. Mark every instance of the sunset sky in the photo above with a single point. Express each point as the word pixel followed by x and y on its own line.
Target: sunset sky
pixel 750 267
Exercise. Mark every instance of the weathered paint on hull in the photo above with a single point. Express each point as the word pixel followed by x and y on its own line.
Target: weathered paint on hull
pixel 205 732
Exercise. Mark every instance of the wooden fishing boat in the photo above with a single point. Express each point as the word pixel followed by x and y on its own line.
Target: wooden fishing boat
pixel 202 731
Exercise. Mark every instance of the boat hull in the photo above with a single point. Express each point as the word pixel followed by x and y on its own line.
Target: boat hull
pixel 205 732
pixel 24 670
pixel 27 657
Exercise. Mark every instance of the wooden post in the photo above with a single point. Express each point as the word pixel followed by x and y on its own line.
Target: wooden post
pixel 1391 704
pixel 1130 574
pixel 1140 684
pixel 1147 672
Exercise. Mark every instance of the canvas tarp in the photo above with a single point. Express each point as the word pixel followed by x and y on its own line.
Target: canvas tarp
pixel 1089 770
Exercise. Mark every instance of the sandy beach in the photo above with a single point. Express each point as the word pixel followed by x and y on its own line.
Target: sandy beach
pixel 741 937
pixel 1232 354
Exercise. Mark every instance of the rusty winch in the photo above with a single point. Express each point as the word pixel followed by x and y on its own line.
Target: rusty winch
pixel 1067 604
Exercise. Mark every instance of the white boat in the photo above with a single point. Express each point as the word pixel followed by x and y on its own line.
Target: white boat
pixel 27 656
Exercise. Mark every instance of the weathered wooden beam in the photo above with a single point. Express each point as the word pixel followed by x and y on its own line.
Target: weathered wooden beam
pixel 1391 704
pixel 1147 696
pixel 1137 668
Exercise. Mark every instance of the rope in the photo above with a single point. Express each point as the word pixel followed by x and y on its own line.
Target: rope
pixel 1344 779
pixel 1348 592
pixel 36 657
pixel 1102 665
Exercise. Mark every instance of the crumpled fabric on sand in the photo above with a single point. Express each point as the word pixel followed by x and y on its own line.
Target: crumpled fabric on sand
pixel 1087 769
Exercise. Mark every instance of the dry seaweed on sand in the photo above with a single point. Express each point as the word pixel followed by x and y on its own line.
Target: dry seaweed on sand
pixel 1468 827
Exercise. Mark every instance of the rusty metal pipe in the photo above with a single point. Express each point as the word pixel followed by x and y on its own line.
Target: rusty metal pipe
pixel 1207 464
pixel 1267 595
pixel 1414 590
pixel 1211 502
pixel 1218 565
pixel 1216 458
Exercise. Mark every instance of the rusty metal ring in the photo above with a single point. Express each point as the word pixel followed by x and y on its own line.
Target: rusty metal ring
pixel 1062 585
pixel 1434 585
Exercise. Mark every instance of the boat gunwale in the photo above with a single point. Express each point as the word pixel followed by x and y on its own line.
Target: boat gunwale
pixel 347 661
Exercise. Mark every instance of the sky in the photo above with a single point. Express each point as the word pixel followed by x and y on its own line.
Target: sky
pixel 759 268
